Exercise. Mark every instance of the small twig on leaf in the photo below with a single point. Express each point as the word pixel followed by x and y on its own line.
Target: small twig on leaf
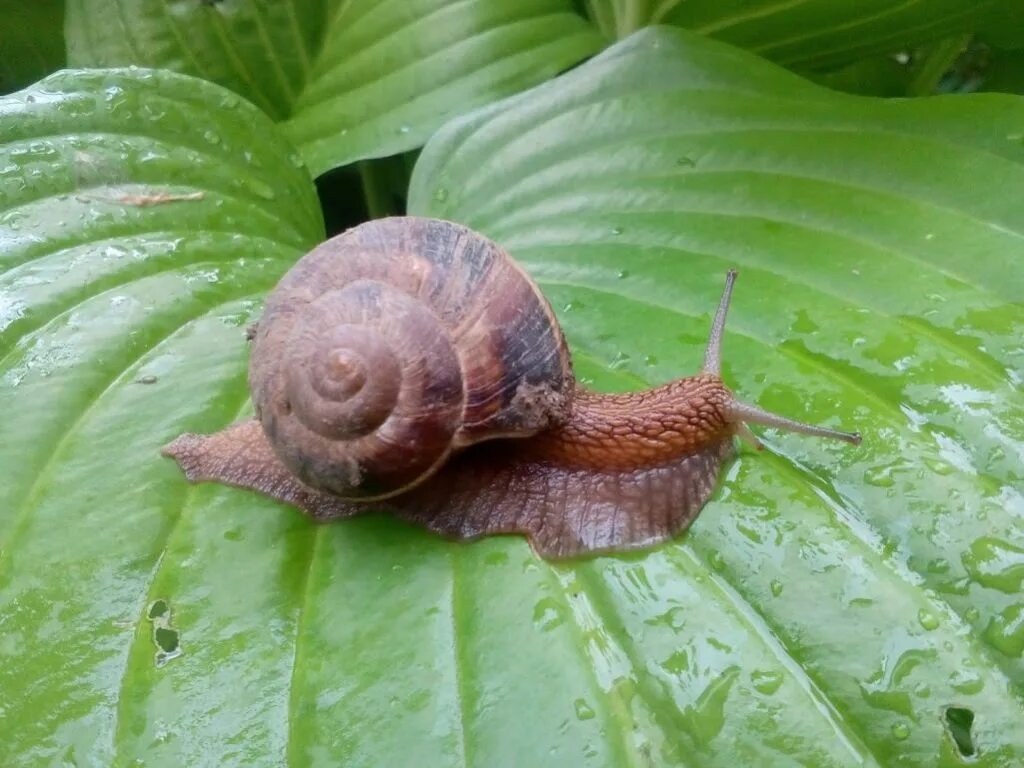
pixel 157 199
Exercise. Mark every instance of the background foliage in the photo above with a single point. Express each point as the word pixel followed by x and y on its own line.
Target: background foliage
pixel 831 606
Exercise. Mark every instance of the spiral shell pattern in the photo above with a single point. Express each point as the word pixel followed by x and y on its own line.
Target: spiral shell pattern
pixel 395 343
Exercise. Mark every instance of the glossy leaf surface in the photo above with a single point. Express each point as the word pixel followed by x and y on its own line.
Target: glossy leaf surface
pixel 354 78
pixel 832 606
pixel 810 34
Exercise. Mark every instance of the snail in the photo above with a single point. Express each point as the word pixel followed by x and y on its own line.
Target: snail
pixel 410 365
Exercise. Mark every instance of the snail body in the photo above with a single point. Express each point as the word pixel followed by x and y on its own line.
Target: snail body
pixel 409 364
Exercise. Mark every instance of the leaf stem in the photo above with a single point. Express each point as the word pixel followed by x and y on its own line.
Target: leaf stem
pixel 375 192
pixel 935 64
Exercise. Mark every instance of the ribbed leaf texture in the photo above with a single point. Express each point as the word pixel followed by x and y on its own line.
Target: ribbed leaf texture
pixel 353 79
pixel 832 606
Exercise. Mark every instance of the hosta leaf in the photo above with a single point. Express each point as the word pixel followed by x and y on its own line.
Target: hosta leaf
pixel 848 597
pixel 142 218
pixel 832 606
pixel 353 78
pixel 808 34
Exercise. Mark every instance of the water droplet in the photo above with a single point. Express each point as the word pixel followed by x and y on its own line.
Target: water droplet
pixel 966 682
pixel 995 564
pixel 900 731
pixel 766 681
pixel 583 710
pixel 440 195
pixel 1005 630
pixel 547 614
pixel 674 618
pixel 620 360
pixel 927 619
pixel 617 230
pixel 880 477
pixel 211 137
pixel 650 360
pixel 678 663
pixel 622 274
pixel 776 587
pixel 686 162
pixel 403 129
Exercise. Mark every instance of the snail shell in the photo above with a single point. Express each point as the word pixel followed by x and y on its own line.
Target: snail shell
pixel 390 357
pixel 385 349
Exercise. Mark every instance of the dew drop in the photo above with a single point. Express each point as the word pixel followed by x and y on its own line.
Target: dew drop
pixel 617 231
pixel 966 682
pixel 766 681
pixel 880 477
pixel 1005 631
pixel 440 195
pixel 686 162
pixel 620 360
pixel 776 587
pixel 403 129
pixel 547 614
pixel 583 710
pixel 622 274
pixel 927 619
pixel 900 731
pixel 995 564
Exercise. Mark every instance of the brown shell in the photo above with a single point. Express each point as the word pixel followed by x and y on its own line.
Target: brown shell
pixel 391 345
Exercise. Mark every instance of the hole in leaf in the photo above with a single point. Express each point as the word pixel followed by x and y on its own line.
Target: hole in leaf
pixel 958 721
pixel 166 638
pixel 158 609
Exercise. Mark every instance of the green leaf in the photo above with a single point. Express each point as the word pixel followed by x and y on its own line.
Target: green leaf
pixel 833 603
pixel 31 41
pixel 808 34
pixel 354 79
pixel 143 215
pixel 831 607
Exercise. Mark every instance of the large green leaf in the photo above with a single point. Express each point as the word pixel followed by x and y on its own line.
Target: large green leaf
pixel 809 34
pixel 832 606
pixel 142 218
pixel 880 246
pixel 353 78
